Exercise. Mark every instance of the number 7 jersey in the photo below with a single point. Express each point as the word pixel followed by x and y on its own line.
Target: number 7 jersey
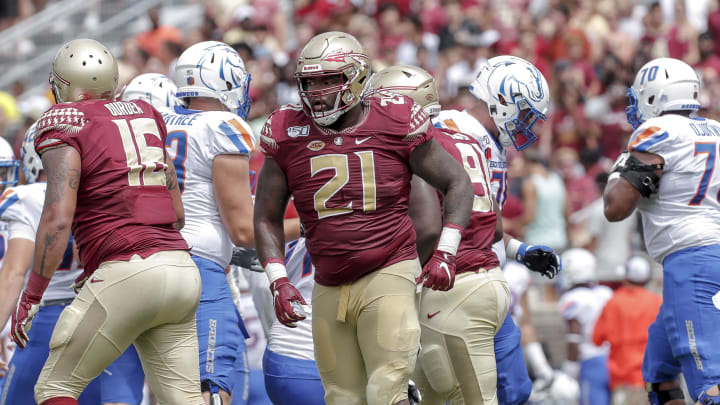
pixel 685 212
pixel 351 188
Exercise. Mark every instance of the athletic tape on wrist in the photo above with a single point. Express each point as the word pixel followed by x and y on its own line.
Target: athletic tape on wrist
pixel 450 239
pixel 512 248
pixel 275 269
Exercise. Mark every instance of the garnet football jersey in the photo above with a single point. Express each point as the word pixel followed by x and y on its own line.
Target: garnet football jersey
pixel 475 250
pixel 351 188
pixel 123 207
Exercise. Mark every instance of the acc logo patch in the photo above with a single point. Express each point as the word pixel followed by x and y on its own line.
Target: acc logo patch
pixel 316 145
pixel 294 132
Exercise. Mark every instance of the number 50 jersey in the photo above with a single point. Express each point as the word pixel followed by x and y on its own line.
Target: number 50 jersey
pixel 685 212
pixel 351 188
pixel 194 139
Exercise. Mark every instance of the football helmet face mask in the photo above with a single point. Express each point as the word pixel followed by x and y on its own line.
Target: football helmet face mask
pixel 9 166
pixel 215 70
pixel 328 55
pixel 663 84
pixel 32 164
pixel 83 69
pixel 517 96
pixel 153 88
pixel 410 81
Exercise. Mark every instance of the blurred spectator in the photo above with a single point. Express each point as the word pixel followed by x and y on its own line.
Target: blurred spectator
pixel 624 324
pixel 611 242
pixel 708 58
pixel 150 41
pixel 545 205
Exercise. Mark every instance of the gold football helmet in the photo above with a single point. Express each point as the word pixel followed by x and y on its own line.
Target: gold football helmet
pixel 410 81
pixel 83 69
pixel 328 54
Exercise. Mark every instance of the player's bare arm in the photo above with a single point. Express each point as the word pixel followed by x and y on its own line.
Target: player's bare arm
pixel 425 211
pixel 270 202
pixel 172 184
pixel 12 276
pixel 231 185
pixel 434 165
pixel 62 167
pixel 620 196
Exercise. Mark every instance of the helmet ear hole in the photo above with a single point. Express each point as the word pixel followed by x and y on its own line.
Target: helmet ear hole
pixel 502 100
pixel 228 85
pixel 651 100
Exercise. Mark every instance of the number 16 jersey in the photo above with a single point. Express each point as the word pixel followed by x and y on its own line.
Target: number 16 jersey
pixel 351 188
pixel 685 212
pixel 123 206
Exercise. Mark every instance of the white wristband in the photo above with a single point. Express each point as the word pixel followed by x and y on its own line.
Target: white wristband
pixel 512 248
pixel 274 271
pixel 449 240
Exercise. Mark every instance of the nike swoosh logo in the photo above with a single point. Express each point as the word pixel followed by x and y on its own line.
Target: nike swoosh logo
pixel 429 315
pixel 95 280
pixel 359 141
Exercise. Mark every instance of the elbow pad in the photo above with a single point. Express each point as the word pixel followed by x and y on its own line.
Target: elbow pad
pixel 640 175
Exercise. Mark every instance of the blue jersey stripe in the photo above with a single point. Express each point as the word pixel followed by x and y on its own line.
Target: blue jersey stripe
pixel 10 201
pixel 227 130
pixel 653 140
pixel 290 249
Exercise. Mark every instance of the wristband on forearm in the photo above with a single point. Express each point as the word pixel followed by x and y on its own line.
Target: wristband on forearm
pixel 275 269
pixel 514 247
pixel 450 238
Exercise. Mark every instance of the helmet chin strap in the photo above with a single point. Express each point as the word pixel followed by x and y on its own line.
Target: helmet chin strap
pixel 504 139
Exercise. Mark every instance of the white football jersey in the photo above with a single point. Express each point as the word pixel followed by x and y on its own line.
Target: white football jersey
pixel 462 121
pixel 194 139
pixel 585 305
pixel 4 237
pixel 297 342
pixel 518 279
pixel 21 208
pixel 685 212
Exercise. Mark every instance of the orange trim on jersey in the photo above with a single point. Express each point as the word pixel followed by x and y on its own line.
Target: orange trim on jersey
pixel 643 136
pixel 451 124
pixel 246 136
pixel 5 194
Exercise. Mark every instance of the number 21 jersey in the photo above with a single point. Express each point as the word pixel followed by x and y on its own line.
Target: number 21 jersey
pixel 351 188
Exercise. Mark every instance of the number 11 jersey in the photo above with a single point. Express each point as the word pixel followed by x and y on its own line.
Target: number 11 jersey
pixel 123 205
pixel 351 188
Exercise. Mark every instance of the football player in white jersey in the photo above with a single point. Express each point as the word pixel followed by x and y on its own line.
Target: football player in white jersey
pixel 667 173
pixel 289 360
pixel 154 88
pixel 20 208
pixel 524 105
pixel 580 305
pixel 8 178
pixel 210 144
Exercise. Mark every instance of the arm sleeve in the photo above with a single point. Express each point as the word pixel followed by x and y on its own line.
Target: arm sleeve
pixel 231 136
pixel 13 211
pixel 59 126
pixel 653 139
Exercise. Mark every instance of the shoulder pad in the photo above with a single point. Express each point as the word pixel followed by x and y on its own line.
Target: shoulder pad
pixel 62 119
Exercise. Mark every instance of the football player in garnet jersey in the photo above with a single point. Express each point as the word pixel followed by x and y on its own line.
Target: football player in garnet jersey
pixel 667 173
pixel 20 207
pixel 109 178
pixel 348 162
pixel 459 326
